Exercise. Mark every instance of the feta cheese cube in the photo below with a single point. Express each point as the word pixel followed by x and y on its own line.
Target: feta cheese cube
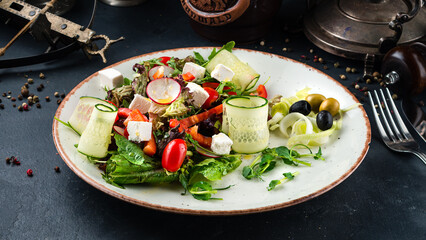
pixel 140 102
pixel 222 73
pixel 221 144
pixel 110 78
pixel 139 131
pixel 199 95
pixel 196 70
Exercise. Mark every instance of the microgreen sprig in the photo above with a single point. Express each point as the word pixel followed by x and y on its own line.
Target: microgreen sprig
pixel 287 177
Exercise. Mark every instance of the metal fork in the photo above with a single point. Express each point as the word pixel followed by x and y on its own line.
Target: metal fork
pixel 397 139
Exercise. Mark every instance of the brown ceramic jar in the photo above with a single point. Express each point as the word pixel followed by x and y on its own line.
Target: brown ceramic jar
pixel 224 20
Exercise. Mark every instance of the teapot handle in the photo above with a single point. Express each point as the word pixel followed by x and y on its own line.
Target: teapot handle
pixel 215 19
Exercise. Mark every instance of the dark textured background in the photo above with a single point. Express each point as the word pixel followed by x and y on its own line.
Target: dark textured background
pixel 385 198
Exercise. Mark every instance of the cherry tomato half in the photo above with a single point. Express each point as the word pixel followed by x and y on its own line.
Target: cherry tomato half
pixel 213 96
pixel 173 155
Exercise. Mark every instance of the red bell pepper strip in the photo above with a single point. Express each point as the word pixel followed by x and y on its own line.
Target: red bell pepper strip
pixel 188 77
pixel 192 120
pixel 124 112
pixel 200 138
pixel 174 122
pixel 135 115
pixel 261 91
pixel 164 60
pixel 150 147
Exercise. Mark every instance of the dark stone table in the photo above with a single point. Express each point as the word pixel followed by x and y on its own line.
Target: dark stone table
pixel 385 198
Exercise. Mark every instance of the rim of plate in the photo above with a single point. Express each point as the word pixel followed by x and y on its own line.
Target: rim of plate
pixel 80 173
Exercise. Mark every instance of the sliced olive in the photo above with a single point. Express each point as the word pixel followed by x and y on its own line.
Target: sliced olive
pixel 301 106
pixel 315 100
pixel 331 105
pixel 324 120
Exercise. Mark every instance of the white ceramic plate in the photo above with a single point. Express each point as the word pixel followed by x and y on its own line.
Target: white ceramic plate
pixel 343 153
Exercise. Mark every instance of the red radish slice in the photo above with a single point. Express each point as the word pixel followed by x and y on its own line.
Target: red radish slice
pixel 167 72
pixel 205 153
pixel 163 91
pixel 119 130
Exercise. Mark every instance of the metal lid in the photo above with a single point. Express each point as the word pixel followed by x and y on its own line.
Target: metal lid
pixel 353 29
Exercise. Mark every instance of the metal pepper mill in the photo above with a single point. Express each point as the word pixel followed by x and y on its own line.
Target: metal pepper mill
pixel 365 29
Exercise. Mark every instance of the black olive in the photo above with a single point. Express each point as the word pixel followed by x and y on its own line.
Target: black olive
pixel 301 106
pixel 324 120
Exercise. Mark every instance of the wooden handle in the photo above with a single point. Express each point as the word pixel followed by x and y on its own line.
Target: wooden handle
pixel 26 27
pixel 216 19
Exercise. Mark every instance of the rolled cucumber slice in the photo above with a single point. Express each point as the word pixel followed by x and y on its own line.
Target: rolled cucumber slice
pixel 244 74
pixel 81 115
pixel 97 136
pixel 245 120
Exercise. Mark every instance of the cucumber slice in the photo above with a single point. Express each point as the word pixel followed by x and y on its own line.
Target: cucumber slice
pixel 81 115
pixel 97 136
pixel 244 74
pixel 245 119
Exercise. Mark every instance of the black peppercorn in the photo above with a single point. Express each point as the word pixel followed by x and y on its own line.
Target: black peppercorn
pixel 24 91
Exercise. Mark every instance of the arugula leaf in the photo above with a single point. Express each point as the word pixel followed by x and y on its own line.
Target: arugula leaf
pixel 212 54
pixel 199 59
pixel 154 61
pixel 228 46
pixel 174 64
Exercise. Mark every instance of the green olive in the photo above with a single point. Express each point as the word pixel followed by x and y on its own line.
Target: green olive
pixel 331 105
pixel 315 101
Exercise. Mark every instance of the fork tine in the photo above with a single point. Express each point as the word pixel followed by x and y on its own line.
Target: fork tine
pixel 392 122
pixel 401 124
pixel 389 130
pixel 378 122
